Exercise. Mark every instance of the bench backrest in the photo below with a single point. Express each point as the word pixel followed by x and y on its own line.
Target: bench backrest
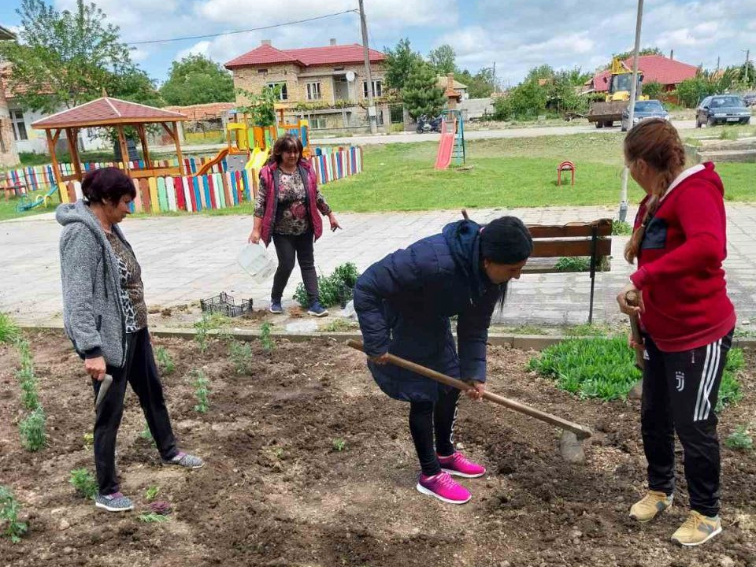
pixel 573 239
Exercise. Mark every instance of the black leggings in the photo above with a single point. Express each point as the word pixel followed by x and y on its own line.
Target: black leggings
pixel 425 417
pixel 139 371
pixel 286 248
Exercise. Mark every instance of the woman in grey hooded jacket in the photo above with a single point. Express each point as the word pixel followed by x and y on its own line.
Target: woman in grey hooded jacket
pixel 105 317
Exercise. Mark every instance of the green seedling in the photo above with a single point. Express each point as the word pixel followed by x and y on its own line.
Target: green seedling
pixel 265 338
pixel 9 332
pixel 9 510
pixel 152 518
pixel 739 439
pixel 146 434
pixel 339 445
pixel 164 360
pixel 241 355
pixel 84 483
pixel 32 430
pixel 29 397
pixel 201 391
pixel 576 264
pixel 151 493
pixel 335 289
pixel 200 334
pixel 88 439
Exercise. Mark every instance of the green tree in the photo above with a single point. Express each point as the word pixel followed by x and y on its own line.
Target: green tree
pixel 136 86
pixel 747 74
pixel 526 100
pixel 479 85
pixel 443 60
pixel 197 79
pixel 399 62
pixel 653 90
pixel 628 54
pixel 540 72
pixel 421 95
pixel 261 107
pixel 64 58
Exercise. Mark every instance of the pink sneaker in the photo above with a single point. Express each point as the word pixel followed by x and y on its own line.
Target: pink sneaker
pixel 458 465
pixel 443 487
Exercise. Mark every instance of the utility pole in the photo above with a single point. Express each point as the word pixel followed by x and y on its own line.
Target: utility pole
pixel 748 53
pixel 372 114
pixel 718 63
pixel 494 78
pixel 633 89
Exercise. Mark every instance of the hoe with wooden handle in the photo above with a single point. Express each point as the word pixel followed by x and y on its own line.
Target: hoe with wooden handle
pixel 571 442
pixel 633 300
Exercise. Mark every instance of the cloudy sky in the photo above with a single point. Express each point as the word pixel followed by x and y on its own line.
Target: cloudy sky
pixel 515 34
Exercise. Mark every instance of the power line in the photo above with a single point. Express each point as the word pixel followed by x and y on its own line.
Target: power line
pixel 242 31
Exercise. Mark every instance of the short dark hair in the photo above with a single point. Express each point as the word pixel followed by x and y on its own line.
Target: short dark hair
pixel 287 142
pixel 107 184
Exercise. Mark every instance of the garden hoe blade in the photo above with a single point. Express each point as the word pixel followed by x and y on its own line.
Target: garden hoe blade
pixel 571 444
pixel 104 387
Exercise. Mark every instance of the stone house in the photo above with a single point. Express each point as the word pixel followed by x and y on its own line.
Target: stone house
pixel 327 85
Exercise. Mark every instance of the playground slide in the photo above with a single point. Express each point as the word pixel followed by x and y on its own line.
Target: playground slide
pixel 258 159
pixel 445 148
pixel 216 160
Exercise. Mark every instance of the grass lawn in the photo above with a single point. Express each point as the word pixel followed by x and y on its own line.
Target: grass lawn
pixel 508 173
pixel 8 208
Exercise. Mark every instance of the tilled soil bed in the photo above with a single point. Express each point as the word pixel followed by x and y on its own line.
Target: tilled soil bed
pixel 309 464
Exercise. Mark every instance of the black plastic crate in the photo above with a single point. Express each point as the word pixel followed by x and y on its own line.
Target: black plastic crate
pixel 225 305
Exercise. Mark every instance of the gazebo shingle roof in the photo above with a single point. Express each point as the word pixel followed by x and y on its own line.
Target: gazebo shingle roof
pixel 107 111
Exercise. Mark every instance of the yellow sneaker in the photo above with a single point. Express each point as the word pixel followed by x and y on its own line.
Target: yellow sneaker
pixel 650 505
pixel 697 529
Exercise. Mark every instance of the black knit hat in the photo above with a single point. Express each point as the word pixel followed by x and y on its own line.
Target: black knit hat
pixel 506 240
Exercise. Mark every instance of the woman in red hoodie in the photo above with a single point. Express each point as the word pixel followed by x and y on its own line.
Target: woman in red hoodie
pixel 687 321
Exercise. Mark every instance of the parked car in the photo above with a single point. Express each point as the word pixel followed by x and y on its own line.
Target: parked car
pixel 643 109
pixel 750 99
pixel 722 109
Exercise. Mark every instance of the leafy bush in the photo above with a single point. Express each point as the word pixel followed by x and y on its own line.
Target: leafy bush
pixel 621 228
pixel 740 440
pixel 590 368
pixel 84 483
pixel 32 429
pixel 576 264
pixel 605 368
pixel 9 333
pixel 335 289
pixel 9 509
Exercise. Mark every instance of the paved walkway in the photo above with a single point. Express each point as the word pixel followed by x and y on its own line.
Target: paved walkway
pixel 188 258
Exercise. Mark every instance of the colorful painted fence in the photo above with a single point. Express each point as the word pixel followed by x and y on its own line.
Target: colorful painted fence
pixel 219 190
pixel 330 164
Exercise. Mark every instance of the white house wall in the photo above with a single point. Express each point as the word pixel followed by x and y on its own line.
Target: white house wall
pixel 36 141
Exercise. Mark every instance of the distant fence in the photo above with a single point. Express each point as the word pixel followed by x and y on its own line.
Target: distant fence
pixel 330 164
pixel 220 189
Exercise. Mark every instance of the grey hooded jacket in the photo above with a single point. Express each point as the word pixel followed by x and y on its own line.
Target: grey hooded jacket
pixel 92 312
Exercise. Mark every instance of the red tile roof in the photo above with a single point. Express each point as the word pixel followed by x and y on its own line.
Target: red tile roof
pixel 655 68
pixel 107 110
pixel 307 57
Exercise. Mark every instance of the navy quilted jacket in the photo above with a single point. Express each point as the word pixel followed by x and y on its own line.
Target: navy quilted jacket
pixel 404 303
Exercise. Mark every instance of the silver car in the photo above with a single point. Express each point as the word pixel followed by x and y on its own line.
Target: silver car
pixel 644 109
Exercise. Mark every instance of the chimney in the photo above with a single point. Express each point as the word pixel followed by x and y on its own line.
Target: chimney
pixel 671 53
pixel 266 42
pixel 333 41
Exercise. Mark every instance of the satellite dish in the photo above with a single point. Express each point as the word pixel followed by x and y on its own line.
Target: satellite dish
pixel 350 76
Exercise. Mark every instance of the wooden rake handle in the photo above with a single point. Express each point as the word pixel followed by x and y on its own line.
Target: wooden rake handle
pixel 632 299
pixel 580 431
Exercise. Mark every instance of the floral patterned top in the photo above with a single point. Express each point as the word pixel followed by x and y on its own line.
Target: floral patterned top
pixel 292 218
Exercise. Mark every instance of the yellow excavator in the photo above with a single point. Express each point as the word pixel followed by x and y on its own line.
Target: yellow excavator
pixel 605 113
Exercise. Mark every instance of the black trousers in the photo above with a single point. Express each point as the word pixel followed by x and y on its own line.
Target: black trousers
pixel 680 391
pixel 287 247
pixel 426 418
pixel 141 372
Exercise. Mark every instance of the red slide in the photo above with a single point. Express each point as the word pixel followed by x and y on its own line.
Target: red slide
pixel 445 148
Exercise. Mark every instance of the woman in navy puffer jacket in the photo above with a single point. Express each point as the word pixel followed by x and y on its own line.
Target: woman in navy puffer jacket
pixel 404 303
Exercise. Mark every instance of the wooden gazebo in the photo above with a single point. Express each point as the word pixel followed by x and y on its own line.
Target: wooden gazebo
pixel 108 112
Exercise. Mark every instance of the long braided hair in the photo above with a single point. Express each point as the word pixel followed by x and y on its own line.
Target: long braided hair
pixel 656 142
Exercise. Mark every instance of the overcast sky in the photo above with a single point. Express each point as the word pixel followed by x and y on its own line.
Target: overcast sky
pixel 515 34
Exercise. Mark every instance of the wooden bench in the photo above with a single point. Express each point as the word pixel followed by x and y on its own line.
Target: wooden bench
pixel 579 239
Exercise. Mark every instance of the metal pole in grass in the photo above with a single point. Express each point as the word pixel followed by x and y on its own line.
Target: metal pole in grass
pixel 633 89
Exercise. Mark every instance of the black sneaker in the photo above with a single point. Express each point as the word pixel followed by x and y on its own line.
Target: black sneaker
pixel 317 310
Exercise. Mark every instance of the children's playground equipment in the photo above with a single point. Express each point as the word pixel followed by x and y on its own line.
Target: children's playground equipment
pixel 452 143
pixel 248 147
pixel 26 204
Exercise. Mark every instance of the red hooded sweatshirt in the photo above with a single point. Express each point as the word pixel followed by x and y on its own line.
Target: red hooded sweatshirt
pixel 680 264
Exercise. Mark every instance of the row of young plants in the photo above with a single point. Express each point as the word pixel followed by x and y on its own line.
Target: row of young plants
pixel 604 368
